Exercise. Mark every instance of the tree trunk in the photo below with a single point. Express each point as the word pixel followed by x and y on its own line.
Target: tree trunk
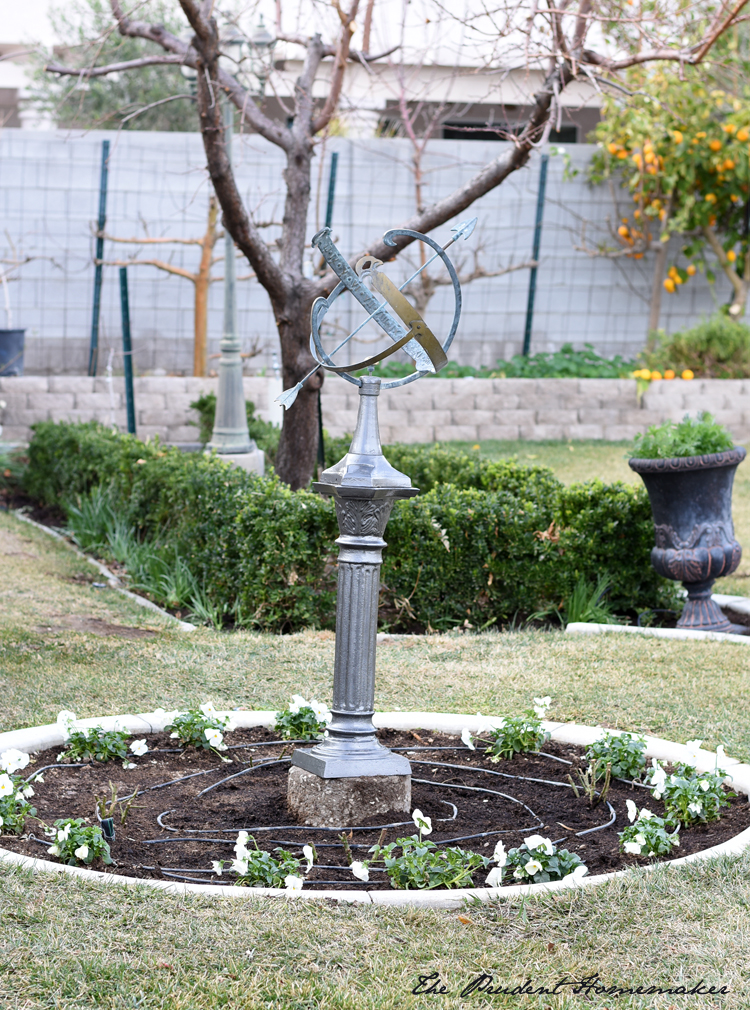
pixel 202 282
pixel 660 266
pixel 295 458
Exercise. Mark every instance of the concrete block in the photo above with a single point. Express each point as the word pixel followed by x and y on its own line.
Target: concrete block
pixel 604 388
pixel 542 432
pixel 96 401
pixel 71 384
pixel 576 401
pixel 27 383
pixel 23 417
pixel 622 432
pixel 456 433
pixel 179 433
pixel 515 417
pixel 476 387
pixel 501 401
pixel 423 417
pixel 499 432
pixel 731 418
pixel 57 402
pixel 146 431
pixel 197 384
pixel 472 416
pixel 415 433
pixel 557 416
pixel 179 402
pixel 583 431
pixel 392 418
pixel 324 802
pixel 462 400
pixel 163 383
pixel 16 433
pixel 598 416
pixel 144 401
pixel 514 387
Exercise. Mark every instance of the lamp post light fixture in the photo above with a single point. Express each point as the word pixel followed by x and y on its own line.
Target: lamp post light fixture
pixel 261 44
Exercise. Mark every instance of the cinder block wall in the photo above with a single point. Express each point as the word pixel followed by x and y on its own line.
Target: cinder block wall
pixel 441 410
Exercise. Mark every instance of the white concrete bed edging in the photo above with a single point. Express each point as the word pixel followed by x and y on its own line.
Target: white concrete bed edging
pixel 580 628
pixel 39 738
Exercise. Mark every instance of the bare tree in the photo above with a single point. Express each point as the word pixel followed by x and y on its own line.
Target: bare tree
pixel 557 34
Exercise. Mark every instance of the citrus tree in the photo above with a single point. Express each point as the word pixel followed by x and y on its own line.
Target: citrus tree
pixel 681 149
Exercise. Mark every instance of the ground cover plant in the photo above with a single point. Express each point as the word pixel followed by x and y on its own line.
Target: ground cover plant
pixel 75 943
pixel 488 542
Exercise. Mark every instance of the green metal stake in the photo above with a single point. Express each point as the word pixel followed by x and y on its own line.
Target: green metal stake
pixel 127 349
pixel 535 254
pixel 102 220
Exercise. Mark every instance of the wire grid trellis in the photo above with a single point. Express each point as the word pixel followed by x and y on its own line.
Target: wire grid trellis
pixel 158 186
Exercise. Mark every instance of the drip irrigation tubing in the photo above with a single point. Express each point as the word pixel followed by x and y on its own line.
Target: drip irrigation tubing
pixel 245 771
pixel 489 771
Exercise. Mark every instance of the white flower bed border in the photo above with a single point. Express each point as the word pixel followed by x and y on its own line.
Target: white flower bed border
pixel 39 738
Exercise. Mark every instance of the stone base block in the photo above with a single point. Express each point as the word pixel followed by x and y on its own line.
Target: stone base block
pixel 333 803
pixel 254 461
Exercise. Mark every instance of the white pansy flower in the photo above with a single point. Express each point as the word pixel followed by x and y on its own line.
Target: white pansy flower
pixel 174 736
pixel 81 852
pixel 215 738
pixel 695 808
pixel 1 822
pixel 359 870
pixel 632 848
pixel 239 866
pixel 293 883
pixel 297 703
pixel 139 747
pixel 580 871
pixel 230 726
pixel 533 866
pixel 240 846
pixel 38 777
pixel 308 853
pixel 466 739
pixel 128 765
pixel 207 709
pixel 703 783
pixel 13 760
pixel 421 822
pixel 500 856
pixel 645 815
pixel 518 873
pixel 632 810
pixel 658 778
pixel 66 722
pixel 28 792
pixel 217 866
pixel 53 850
pixel 494 877
pixel 541 705
pixel 50 832
pixel 640 838
pixel 62 833
pixel 538 842
pixel 693 746
pixel 6 786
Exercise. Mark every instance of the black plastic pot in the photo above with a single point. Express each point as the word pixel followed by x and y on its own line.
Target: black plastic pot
pixel 11 352
pixel 691 502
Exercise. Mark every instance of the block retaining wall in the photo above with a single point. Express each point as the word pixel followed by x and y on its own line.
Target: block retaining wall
pixel 439 410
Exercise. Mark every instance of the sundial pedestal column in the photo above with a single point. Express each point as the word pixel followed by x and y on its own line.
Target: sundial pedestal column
pixel 350 776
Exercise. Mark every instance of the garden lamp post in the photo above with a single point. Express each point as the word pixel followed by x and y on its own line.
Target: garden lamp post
pixel 230 435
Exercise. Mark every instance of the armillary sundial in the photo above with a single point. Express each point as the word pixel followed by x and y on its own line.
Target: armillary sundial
pixel 350 772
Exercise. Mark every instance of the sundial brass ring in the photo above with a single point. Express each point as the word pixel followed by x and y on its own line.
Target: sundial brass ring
pixel 392 310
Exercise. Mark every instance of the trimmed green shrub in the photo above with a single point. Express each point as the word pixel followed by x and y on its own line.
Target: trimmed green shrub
pixel 718 347
pixel 486 543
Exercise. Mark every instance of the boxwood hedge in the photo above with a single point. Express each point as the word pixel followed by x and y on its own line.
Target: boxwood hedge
pixel 486 542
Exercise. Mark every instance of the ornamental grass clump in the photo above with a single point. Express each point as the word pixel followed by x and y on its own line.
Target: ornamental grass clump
pixel 76 842
pixel 302 720
pixel 256 868
pixel 697 436
pixel 200 728
pixel 625 753
pixel 647 834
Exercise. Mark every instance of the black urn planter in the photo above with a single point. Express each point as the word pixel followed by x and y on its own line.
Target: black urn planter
pixel 691 502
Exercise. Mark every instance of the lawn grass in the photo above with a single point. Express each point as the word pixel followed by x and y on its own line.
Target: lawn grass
pixel 70 944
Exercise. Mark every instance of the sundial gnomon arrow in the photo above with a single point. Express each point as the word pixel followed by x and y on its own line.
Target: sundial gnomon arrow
pixel 406 328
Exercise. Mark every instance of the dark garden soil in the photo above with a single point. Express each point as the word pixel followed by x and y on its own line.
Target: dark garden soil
pixel 171 831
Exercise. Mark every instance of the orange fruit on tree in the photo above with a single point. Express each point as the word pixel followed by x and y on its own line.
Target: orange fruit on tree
pixel 669 285
pixel 687 374
pixel 669 374
pixel 692 269
pixel 715 145
pixel 743 134
pixel 731 255
pixel 656 376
